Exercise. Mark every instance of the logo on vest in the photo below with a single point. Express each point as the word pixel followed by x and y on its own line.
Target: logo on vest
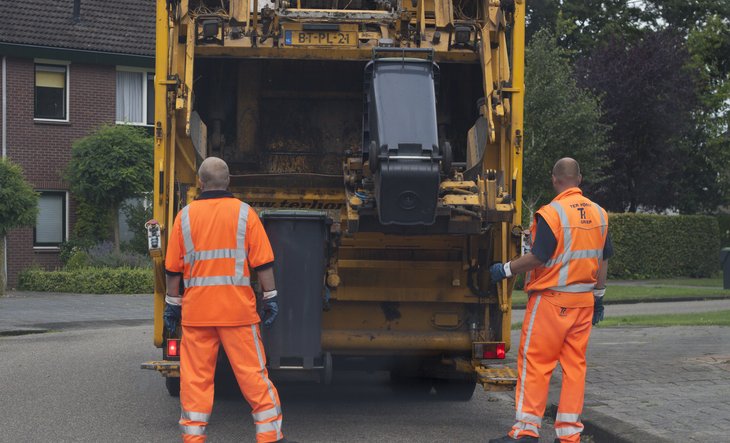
pixel 581 207
pixel 563 312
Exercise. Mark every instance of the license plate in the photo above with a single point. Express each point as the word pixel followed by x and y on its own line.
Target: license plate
pixel 320 38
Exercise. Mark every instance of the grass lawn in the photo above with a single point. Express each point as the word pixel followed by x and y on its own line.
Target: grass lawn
pixel 716 318
pixel 656 290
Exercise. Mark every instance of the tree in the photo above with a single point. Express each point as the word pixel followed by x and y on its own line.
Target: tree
pixel 582 25
pixel 18 207
pixel 109 166
pixel 649 98
pixel 561 120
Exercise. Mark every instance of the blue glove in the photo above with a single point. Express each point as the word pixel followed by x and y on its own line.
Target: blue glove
pixel 271 311
pixel 597 310
pixel 496 271
pixel 172 316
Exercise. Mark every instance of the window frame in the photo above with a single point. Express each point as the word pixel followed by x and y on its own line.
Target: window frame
pixel 67 66
pixel 145 73
pixel 64 221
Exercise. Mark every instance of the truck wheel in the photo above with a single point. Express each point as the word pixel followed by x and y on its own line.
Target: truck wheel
pixel 409 386
pixel 454 390
pixel 173 386
pixel 325 377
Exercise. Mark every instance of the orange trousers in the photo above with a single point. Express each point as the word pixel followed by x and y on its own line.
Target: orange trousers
pixel 551 333
pixel 245 351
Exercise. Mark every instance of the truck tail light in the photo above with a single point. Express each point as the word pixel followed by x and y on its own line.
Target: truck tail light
pixel 483 351
pixel 173 347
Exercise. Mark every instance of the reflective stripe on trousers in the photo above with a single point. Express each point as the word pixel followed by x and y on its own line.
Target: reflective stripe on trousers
pixel 276 424
pixel 192 255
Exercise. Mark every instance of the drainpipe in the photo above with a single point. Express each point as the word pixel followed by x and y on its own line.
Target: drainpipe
pixel 5 150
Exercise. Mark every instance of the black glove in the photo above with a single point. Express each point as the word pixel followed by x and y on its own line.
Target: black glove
pixel 172 316
pixel 271 311
pixel 496 271
pixel 597 310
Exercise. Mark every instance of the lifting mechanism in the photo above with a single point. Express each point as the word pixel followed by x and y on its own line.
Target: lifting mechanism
pixel 390 133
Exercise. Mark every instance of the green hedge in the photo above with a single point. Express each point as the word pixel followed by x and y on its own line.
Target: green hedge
pixel 659 246
pixel 89 280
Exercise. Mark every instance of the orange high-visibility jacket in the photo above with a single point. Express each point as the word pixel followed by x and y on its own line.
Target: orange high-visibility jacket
pixel 214 242
pixel 580 228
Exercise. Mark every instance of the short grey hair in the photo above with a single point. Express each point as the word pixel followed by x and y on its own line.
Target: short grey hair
pixel 214 174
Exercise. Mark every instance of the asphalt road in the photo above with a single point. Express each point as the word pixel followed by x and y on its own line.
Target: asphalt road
pixel 86 385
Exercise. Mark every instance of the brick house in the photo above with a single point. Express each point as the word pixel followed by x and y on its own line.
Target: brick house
pixel 68 66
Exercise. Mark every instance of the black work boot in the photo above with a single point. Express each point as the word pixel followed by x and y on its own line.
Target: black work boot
pixel 284 440
pixel 508 439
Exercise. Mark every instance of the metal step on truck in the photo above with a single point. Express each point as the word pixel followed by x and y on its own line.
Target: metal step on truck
pixel 381 143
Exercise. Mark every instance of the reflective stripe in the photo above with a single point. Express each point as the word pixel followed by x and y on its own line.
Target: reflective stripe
pixel 217 281
pixel 194 416
pixel 522 426
pixel 568 430
pixel 523 416
pixel 268 427
pixel 603 220
pixel 191 255
pixel 186 231
pixel 254 329
pixel 267 414
pixel 578 287
pixel 573 255
pixel 524 354
pixel 567 241
pixel 192 430
pixel 568 418
pixel 241 238
pixel 213 254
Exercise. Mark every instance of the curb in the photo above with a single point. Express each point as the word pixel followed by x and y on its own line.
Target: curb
pixel 22 331
pixel 637 301
pixel 606 429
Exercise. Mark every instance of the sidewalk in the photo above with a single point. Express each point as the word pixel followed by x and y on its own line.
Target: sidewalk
pixel 28 312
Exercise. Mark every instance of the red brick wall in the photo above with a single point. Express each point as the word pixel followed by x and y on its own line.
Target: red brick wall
pixel 43 150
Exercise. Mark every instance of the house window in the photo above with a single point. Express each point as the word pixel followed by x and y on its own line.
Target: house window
pixel 50 225
pixel 135 97
pixel 51 92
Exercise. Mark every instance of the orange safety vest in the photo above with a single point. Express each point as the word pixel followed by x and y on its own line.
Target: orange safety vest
pixel 580 228
pixel 213 242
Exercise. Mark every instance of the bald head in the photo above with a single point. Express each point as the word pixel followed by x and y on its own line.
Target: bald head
pixel 213 174
pixel 566 174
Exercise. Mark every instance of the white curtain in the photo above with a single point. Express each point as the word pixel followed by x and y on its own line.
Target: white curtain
pixel 49 224
pixel 129 97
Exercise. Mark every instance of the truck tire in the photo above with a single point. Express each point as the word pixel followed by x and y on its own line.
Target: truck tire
pixel 454 390
pixel 173 386
pixel 410 386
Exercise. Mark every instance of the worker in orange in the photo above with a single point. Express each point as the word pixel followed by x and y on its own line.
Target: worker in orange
pixel 565 282
pixel 215 243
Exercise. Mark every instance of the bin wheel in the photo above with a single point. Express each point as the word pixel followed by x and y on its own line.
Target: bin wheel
pixel 454 390
pixel 327 371
pixel 173 386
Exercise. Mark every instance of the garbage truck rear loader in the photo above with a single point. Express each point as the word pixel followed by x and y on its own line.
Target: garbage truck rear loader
pixel 381 143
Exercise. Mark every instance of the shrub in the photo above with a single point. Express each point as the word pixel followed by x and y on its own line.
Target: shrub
pixel 137 215
pixel 103 255
pixel 89 280
pixel 658 246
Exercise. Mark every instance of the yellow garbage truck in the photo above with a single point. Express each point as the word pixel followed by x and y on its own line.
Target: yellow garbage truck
pixel 381 143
